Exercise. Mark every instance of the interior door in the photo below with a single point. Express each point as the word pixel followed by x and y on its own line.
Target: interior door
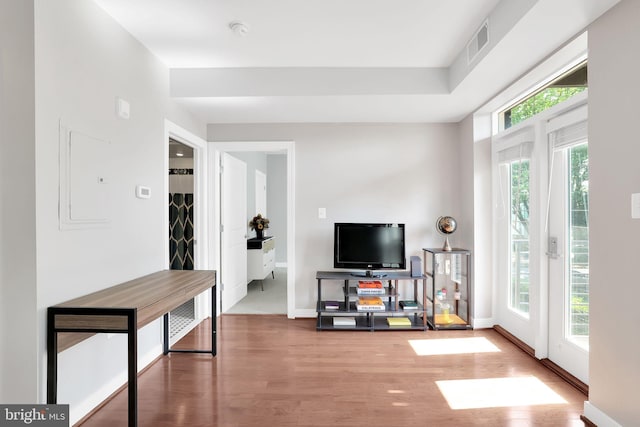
pixel 568 251
pixel 234 231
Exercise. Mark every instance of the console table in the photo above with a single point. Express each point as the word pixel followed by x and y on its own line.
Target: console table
pixel 125 308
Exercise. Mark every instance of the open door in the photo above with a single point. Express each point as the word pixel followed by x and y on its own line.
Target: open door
pixel 233 231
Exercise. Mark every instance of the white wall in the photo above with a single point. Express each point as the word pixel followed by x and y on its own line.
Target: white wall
pixel 475 169
pixel 277 202
pixel 83 61
pixel 406 173
pixel 255 161
pixel 18 376
pixel 614 372
pixel 181 183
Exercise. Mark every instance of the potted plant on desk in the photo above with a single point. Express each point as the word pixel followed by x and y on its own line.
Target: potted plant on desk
pixel 259 223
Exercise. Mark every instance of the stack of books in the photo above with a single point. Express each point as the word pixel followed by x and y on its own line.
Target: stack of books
pixel 370 287
pixel 409 305
pixel 370 304
pixel 331 305
pixel 398 321
pixel 344 321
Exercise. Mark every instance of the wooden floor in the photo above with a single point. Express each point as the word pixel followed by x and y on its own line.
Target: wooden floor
pixel 272 371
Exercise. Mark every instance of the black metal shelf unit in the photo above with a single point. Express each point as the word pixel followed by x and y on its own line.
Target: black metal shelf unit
pixel 371 320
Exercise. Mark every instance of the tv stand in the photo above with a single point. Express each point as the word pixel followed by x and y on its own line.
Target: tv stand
pixel 333 314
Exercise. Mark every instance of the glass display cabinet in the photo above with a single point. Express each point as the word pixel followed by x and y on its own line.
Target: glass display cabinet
pixel 448 287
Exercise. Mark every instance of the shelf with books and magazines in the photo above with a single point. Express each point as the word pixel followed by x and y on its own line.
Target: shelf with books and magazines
pixel 394 302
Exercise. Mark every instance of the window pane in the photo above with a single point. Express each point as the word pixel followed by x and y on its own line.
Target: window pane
pixel 519 237
pixel 559 90
pixel 538 103
pixel 579 245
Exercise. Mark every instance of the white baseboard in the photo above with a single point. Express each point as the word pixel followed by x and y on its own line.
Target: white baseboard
pixel 78 411
pixel 305 313
pixel 598 417
pixel 483 323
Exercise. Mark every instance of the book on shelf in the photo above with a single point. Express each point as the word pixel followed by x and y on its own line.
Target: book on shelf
pixel 331 305
pixel 408 305
pixel 369 284
pixel 398 321
pixel 369 300
pixel 370 303
pixel 344 321
pixel 371 291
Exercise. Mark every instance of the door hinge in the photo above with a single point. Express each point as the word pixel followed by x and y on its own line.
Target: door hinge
pixel 222 228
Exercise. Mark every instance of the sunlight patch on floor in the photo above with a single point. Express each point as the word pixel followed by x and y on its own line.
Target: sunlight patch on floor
pixel 453 346
pixel 497 393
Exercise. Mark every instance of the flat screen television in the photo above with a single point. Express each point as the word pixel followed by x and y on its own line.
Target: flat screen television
pixel 369 247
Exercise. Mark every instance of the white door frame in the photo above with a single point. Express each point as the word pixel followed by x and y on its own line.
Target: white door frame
pixel 261 146
pixel 201 218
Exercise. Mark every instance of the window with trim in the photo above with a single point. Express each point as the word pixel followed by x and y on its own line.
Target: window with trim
pixel 562 88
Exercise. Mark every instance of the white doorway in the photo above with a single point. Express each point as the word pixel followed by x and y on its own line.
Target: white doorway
pixel 287 149
pixel 180 140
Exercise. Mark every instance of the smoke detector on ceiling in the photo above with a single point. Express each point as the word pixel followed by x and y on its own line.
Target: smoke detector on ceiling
pixel 239 28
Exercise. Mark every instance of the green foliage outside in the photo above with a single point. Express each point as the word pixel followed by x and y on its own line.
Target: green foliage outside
pixel 579 239
pixel 519 172
pixel 541 101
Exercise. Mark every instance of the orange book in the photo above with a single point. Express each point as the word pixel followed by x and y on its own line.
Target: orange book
pixel 374 284
pixel 370 301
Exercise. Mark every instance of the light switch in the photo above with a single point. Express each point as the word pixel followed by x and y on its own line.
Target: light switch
pixel 122 108
pixel 322 213
pixel 635 206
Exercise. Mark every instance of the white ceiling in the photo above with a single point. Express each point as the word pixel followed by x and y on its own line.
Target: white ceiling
pixel 346 60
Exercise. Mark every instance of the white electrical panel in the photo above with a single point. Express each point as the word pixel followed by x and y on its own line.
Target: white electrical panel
pixel 85 168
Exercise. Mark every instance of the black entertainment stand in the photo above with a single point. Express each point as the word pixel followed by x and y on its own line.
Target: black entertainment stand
pixel 371 320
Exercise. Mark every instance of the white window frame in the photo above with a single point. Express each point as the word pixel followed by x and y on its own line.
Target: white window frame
pixel 535 332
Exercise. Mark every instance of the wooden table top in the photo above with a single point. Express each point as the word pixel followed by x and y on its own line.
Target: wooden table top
pixel 147 290
pixel 152 295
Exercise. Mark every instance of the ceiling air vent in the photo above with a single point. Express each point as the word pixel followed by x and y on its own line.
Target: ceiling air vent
pixel 479 40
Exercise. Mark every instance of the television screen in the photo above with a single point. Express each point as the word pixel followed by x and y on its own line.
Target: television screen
pixel 366 246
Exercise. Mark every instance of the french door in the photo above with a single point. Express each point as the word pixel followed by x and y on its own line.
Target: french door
pixel 515 212
pixel 568 252
pixel 541 212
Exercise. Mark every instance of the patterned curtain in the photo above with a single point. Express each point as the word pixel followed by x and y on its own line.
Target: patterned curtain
pixel 181 231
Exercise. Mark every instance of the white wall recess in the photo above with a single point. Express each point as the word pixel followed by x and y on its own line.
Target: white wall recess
pixel 85 164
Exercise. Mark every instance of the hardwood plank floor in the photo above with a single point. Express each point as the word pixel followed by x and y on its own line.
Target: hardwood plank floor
pixel 272 371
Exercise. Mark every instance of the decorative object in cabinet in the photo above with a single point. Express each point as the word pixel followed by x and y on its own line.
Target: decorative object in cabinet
pixel 448 275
